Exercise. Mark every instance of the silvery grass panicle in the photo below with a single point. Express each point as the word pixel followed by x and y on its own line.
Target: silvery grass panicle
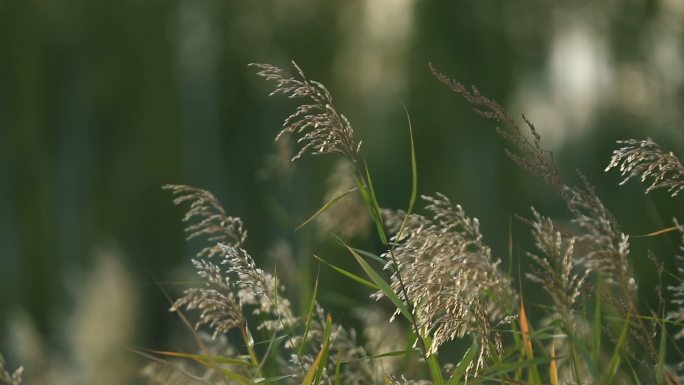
pixel 232 280
pixel 644 159
pixel 526 152
pixel 207 219
pixel 449 276
pixel 9 379
pixel 555 264
pixel 321 129
pixel 608 247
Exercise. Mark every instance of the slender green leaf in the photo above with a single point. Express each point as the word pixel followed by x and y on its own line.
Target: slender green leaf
pixel 584 352
pixel 617 353
pixel 372 256
pixel 433 363
pixel 414 176
pixel 374 206
pixel 273 379
pixel 313 370
pixel 382 285
pixel 596 339
pixel 203 358
pixel 348 274
pixel 338 370
pixel 309 314
pixel 508 367
pixel 460 370
pixel 662 352
pixel 325 350
pixel 326 206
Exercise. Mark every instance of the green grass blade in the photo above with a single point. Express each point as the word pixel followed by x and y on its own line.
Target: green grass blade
pixel 433 363
pixel 338 370
pixel 372 256
pixel 414 176
pixel 313 370
pixel 326 206
pixel 617 353
pixel 504 368
pixel 372 202
pixel 203 358
pixel 596 339
pixel 460 370
pixel 584 353
pixel 309 314
pixel 325 350
pixel 379 282
pixel 662 352
pixel 348 274
pixel 276 379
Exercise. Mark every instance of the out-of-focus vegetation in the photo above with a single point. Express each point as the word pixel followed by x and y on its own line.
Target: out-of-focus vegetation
pixel 102 102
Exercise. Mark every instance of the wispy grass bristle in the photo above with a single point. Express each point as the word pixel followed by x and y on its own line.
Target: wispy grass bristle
pixel 646 160
pixel 317 124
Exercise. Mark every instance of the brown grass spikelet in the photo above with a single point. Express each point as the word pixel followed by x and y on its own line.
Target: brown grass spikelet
pixel 525 152
pixel 321 129
pixel 450 277
pixel 645 159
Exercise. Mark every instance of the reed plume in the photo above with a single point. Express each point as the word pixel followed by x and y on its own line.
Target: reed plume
pixel 320 128
pixel 450 278
pixel 646 160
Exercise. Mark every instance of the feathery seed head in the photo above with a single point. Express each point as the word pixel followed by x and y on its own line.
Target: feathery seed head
pixel 449 275
pixel 320 128
pixel 645 159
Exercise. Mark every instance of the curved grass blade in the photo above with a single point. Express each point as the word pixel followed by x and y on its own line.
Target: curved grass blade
pixel 617 353
pixel 381 283
pixel 460 370
pixel 414 177
pixel 309 313
pixel 316 368
pixel 372 256
pixel 202 358
pixel 348 274
pixel 326 206
pixel 368 193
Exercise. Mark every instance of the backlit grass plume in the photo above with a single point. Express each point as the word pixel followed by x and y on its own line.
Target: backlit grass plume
pixel 317 124
pixel 646 160
pixel 439 275
pixel 232 280
pixel 555 264
pixel 449 275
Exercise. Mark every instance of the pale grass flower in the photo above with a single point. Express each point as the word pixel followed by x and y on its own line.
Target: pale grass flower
pixel 450 278
pixel 317 124
pixel 646 160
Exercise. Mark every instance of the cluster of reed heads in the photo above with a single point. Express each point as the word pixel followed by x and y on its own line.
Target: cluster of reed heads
pixel 438 274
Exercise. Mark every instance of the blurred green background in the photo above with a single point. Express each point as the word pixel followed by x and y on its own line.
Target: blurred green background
pixel 102 102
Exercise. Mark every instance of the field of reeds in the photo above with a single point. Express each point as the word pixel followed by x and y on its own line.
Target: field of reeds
pixel 458 313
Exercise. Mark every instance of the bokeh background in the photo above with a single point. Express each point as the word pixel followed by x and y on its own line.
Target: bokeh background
pixel 102 102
